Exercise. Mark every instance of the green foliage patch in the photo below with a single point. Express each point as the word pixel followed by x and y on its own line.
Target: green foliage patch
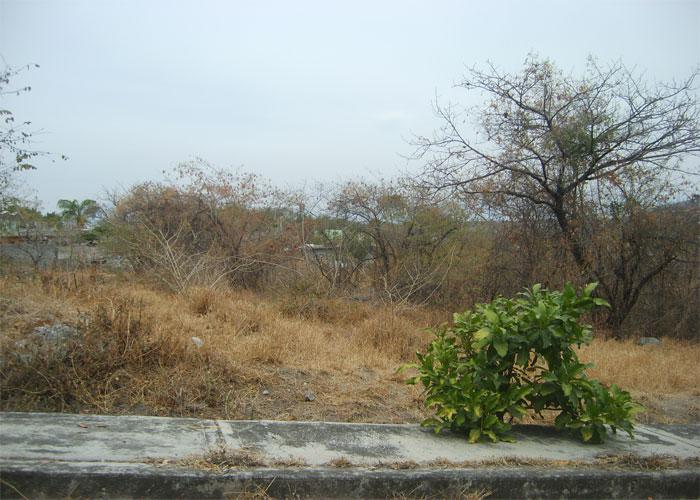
pixel 513 355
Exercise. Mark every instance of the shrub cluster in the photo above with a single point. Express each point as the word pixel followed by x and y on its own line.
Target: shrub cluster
pixel 513 355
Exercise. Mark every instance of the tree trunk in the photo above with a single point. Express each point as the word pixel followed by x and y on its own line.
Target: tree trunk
pixel 614 322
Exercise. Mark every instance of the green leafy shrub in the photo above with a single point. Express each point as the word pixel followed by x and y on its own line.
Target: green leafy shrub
pixel 513 355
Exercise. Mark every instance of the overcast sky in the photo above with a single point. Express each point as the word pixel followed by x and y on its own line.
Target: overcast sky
pixel 293 90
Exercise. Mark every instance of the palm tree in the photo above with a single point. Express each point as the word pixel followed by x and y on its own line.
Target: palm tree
pixel 79 211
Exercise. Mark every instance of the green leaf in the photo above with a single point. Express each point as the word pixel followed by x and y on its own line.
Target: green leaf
pixel 562 420
pixel 517 412
pixel 520 393
pixel 491 315
pixel 406 366
pixel 490 421
pixel 474 435
pixel 588 290
pixel 523 358
pixel 540 310
pixel 501 347
pixel 482 334
pixel 586 434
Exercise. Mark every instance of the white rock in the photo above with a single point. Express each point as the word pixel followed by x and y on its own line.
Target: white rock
pixel 649 341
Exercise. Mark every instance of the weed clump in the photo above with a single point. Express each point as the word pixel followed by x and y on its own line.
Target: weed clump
pixel 117 361
pixel 202 300
pixel 222 458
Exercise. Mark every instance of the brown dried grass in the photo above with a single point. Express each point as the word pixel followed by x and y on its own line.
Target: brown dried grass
pixel 667 368
pixel 345 351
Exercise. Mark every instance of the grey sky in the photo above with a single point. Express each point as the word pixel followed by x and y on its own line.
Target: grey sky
pixel 291 90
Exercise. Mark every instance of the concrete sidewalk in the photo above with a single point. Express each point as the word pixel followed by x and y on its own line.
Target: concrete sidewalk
pixel 54 455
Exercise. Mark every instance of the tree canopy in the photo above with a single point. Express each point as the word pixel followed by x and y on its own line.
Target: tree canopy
pixel 581 147
pixel 78 211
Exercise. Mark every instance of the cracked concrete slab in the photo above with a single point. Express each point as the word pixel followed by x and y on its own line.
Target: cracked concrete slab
pixel 47 448
pixel 85 438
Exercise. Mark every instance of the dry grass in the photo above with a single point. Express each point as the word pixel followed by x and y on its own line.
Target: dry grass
pixel 260 354
pixel 668 368
pixel 135 353
pixel 664 378
pixel 340 463
pixel 465 494
pixel 222 459
pixel 119 360
pixel 622 462
pixel 655 462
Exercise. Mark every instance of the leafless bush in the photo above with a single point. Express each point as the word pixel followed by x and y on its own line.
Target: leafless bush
pixel 208 228
pixel 168 259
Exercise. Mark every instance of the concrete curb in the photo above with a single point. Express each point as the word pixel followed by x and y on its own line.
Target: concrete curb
pixel 62 480
pixel 45 455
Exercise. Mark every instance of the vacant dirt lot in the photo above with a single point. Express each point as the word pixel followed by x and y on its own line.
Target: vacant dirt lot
pixel 260 357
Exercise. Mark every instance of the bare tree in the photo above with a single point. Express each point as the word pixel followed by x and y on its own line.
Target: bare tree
pixel 633 234
pixel 408 239
pixel 558 141
pixel 208 217
pixel 175 265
